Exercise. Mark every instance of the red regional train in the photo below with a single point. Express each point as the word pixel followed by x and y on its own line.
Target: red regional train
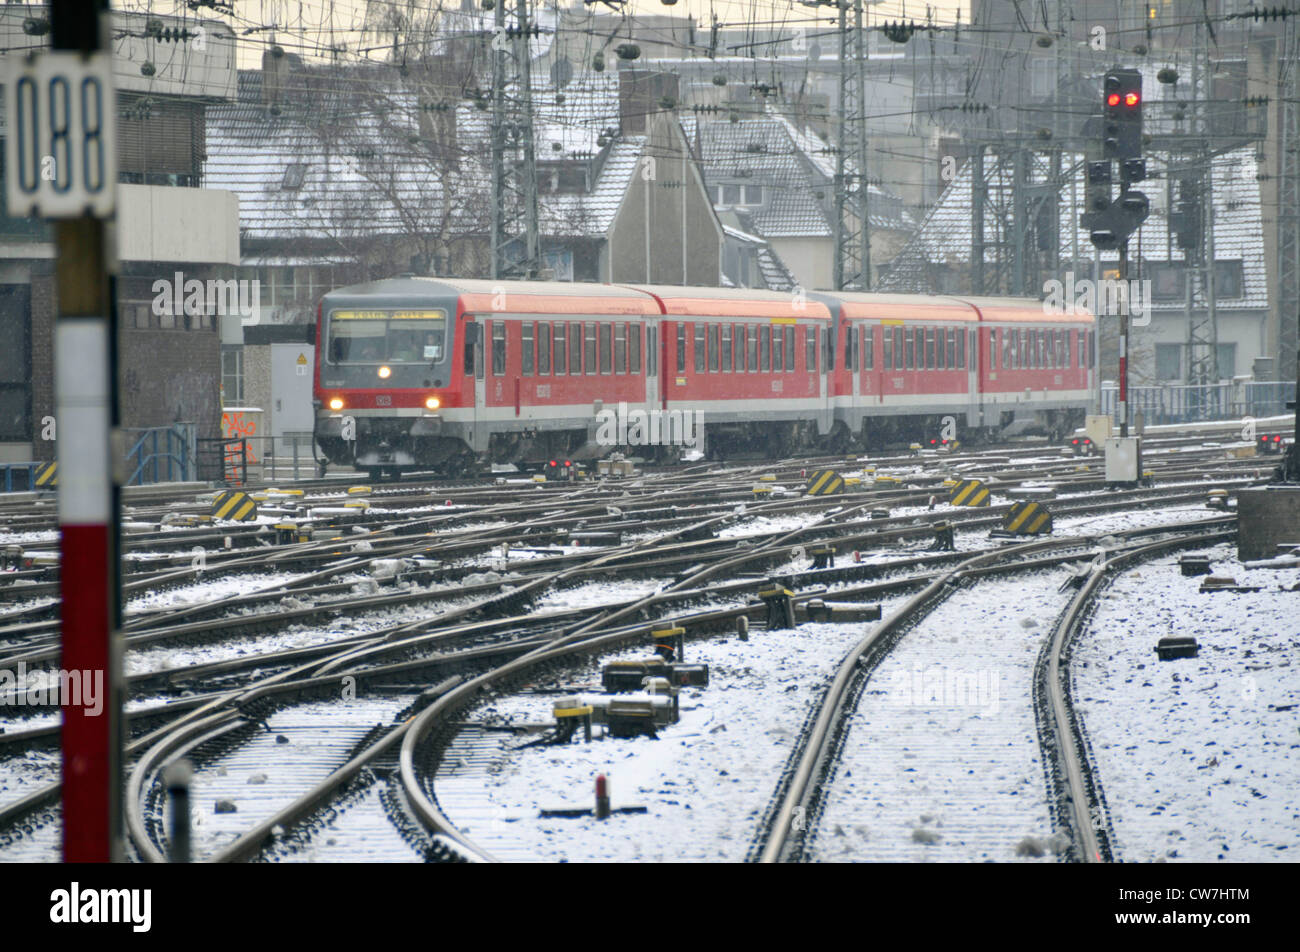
pixel 437 373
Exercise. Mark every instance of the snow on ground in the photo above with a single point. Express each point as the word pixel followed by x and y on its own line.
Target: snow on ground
pixel 49 536
pixel 1199 758
pixel 1106 522
pixel 597 594
pixel 941 761
pixel 205 592
pixel 706 781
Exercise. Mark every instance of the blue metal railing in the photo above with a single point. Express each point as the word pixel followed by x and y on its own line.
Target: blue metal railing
pixel 25 473
pixel 162 454
pixel 1188 404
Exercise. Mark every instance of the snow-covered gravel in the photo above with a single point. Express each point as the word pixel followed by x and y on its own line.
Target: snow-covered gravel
pixel 1199 757
pixel 706 781
pixel 941 760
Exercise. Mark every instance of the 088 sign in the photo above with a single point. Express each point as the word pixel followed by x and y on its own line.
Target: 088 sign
pixel 60 157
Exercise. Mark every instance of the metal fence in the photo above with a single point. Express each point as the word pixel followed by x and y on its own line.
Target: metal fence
pixel 237 460
pixel 1187 404
pixel 161 454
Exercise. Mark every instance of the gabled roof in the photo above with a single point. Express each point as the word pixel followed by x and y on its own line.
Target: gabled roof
pixel 945 235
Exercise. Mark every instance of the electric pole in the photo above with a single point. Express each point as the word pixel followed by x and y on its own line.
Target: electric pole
pixel 852 192
pixel 516 246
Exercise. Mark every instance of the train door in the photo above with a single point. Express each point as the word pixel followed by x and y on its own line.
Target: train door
pixel 973 377
pixel 853 359
pixel 479 328
pixel 650 349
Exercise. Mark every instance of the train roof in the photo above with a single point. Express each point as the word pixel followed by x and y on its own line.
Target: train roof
pixel 484 296
pixel 1025 310
pixel 687 301
pixel 920 307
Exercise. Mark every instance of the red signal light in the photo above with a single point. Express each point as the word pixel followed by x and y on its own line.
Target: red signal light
pixel 1277 439
pixel 567 463
pixel 1112 99
pixel 553 463
pixel 1131 99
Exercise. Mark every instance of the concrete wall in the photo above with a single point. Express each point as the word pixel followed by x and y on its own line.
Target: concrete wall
pixel 177 224
pixel 683 249
pixel 810 260
pixel 1267 517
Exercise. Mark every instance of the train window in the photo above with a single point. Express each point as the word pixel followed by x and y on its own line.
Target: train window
pixel 869 349
pixel 589 349
pixel 789 348
pixel 651 350
pixel 951 362
pixel 898 348
pixel 498 348
pixel 778 353
pixel 620 348
pixel 810 349
pixel 634 348
pixel 543 347
pixel 940 352
pixel 993 348
pixel 887 352
pixel 726 348
pixel 961 348
pixel 715 333
pixel 681 348
pixel 1079 348
pixel 1009 349
pixel 764 347
pixel 471 338
pixel 850 345
pixel 828 348
pixel 1092 348
pixel 606 363
pixel 561 349
pixel 752 348
pixel 527 353
pixel 699 348
pixel 1063 349
pixel 929 348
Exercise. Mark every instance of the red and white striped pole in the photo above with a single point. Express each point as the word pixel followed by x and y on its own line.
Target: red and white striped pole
pixel 85 395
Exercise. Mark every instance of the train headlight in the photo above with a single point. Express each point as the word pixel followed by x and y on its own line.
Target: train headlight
pixel 385 372
pixel 433 403
pixel 336 403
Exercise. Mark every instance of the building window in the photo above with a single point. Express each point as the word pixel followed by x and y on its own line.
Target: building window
pixel 232 375
pixel 1228 279
pixel 1167 281
pixel 1227 354
pixel 295 173
pixel 731 195
pixel 1169 361
pixel 753 195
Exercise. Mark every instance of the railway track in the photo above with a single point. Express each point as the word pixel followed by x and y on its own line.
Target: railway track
pixel 689 550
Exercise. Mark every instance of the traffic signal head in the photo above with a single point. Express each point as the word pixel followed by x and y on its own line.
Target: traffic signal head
pixel 1122 122
pixel 1097 190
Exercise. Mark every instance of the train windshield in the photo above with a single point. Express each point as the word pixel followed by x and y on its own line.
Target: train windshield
pixel 389 337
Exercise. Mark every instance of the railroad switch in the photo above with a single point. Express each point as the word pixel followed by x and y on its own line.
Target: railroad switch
pixel 823 557
pixel 818 610
pixel 630 675
pixel 287 533
pixel 1217 499
pixel 943 538
pixel 1194 564
pixel 1224 583
pixel 1182 646
pixel 670 643
pixel 780 608
pixel 568 715
pixel 880 513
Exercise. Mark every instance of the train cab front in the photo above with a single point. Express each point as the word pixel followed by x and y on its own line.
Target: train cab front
pixel 385 382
